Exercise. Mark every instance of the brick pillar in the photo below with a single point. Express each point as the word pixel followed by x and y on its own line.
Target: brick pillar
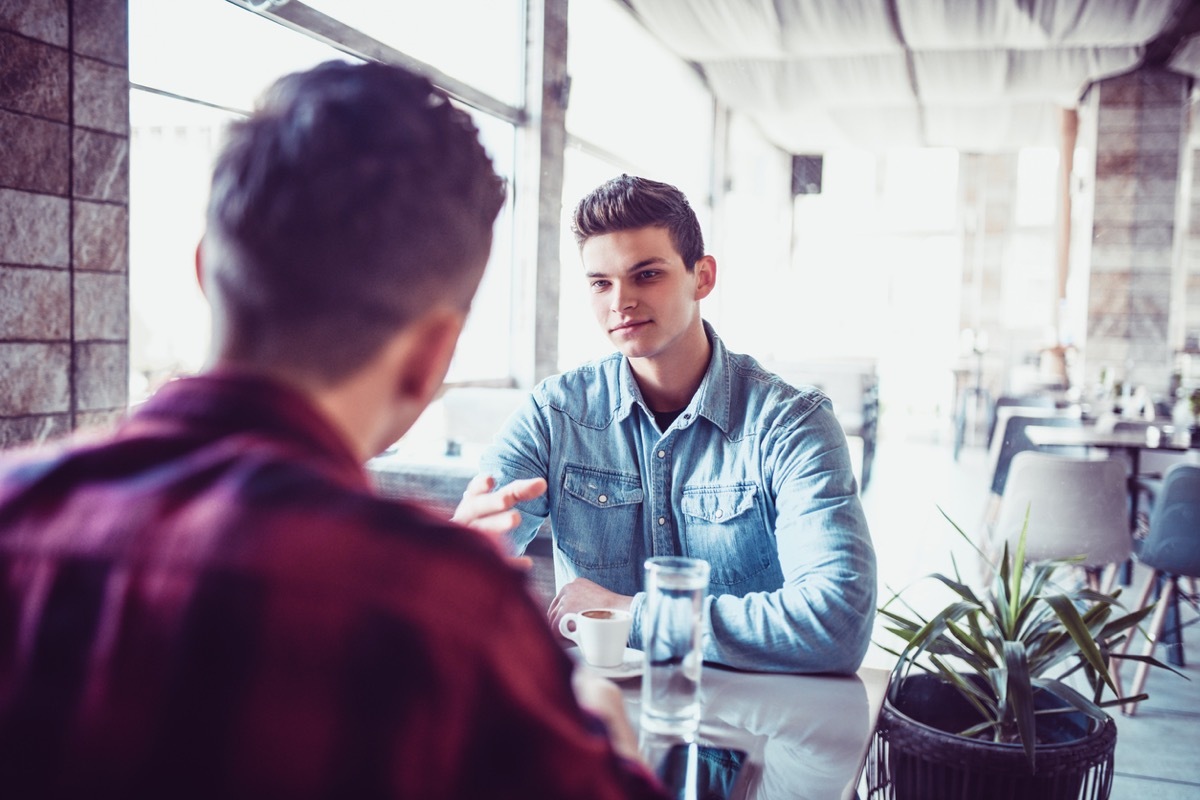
pixel 64 215
pixel 1185 294
pixel 1139 124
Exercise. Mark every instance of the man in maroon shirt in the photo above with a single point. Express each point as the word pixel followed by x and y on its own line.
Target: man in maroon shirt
pixel 210 601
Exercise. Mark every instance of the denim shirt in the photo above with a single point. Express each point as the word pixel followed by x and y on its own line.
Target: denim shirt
pixel 754 477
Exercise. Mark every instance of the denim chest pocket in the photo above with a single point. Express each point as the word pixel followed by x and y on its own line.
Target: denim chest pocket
pixel 599 517
pixel 724 525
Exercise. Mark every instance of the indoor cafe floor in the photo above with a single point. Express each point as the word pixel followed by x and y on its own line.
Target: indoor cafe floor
pixel 1158 749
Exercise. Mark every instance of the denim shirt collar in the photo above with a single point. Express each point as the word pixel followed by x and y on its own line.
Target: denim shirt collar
pixel 712 398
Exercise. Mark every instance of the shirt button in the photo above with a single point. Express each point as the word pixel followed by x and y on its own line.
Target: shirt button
pixel 662 520
pixel 603 498
pixel 719 513
pixel 662 453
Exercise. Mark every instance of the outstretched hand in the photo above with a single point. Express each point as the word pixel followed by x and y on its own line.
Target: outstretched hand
pixel 491 512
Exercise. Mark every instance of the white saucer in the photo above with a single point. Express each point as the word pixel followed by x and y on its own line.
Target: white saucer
pixel 630 668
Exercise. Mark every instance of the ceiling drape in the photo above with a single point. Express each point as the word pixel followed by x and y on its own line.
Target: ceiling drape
pixel 979 76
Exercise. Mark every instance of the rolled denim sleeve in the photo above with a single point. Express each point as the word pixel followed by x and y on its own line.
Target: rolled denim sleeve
pixel 820 620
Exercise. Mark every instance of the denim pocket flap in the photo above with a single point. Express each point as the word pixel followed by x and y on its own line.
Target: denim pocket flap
pixel 602 489
pixel 718 504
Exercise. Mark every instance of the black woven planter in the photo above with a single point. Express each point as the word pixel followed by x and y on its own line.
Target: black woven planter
pixel 912 757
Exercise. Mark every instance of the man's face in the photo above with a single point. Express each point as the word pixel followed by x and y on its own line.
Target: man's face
pixel 642 295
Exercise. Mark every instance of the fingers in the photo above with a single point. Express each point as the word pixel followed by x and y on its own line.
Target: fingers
pixel 554 614
pixel 489 523
pixel 480 484
pixel 522 490
pixel 485 509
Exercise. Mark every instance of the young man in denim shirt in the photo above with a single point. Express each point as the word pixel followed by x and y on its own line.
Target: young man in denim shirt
pixel 675 446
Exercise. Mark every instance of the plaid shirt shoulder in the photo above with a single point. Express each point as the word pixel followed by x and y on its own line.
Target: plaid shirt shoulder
pixel 226 619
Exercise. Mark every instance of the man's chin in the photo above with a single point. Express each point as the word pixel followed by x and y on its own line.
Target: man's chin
pixel 634 352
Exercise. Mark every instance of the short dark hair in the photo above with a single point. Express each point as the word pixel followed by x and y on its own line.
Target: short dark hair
pixel 628 203
pixel 355 197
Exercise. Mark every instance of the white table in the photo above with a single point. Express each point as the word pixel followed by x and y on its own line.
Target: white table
pixel 806 736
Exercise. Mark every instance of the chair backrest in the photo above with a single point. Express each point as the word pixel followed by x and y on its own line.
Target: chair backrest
pixel 1173 543
pixel 1018 403
pixel 1076 508
pixel 1012 439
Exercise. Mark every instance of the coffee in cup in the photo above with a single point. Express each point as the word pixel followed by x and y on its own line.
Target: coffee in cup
pixel 601 634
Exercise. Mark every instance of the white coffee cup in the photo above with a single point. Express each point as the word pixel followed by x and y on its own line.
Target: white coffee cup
pixel 601 634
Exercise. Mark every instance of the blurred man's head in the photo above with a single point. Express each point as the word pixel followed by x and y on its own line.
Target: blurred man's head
pixel 353 201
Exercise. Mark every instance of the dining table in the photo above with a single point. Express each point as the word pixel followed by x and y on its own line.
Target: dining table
pixel 778 735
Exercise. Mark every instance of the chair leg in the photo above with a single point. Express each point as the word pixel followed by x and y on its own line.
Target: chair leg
pixel 1103 579
pixel 1156 627
pixel 1141 603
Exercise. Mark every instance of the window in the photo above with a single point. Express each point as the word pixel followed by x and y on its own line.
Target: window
pixel 185 93
pixel 488 53
pixel 617 121
pixel 184 96
pixel 1037 186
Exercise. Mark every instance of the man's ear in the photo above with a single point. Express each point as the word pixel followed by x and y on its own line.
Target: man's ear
pixel 425 353
pixel 706 276
pixel 199 271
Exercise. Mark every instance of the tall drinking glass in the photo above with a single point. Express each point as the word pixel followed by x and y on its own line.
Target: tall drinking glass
pixel 672 627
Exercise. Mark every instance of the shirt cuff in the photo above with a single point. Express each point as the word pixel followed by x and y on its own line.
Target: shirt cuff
pixel 635 630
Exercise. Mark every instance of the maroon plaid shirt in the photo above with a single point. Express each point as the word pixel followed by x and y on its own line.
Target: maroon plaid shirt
pixel 212 603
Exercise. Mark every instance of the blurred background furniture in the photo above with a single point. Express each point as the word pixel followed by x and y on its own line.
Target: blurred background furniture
pixel 1075 507
pixel 1132 443
pixel 852 385
pixel 1172 550
pixel 1011 439
pixel 1018 402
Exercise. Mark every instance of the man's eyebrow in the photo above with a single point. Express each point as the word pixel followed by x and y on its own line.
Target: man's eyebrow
pixel 645 262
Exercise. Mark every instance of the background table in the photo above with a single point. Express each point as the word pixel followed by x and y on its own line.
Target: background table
pixel 805 736
pixel 1130 442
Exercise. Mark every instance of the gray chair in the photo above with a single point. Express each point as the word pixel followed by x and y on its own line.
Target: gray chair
pixel 1172 550
pixel 1016 402
pixel 1013 439
pixel 1075 507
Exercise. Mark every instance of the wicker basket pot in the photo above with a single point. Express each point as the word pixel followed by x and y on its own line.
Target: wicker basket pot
pixel 913 756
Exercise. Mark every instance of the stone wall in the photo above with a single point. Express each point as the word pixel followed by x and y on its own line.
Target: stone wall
pixel 64 215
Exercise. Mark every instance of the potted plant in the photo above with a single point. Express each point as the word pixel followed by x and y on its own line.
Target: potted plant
pixel 977 706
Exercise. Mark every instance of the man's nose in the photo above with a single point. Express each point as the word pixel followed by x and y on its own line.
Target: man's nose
pixel 623 298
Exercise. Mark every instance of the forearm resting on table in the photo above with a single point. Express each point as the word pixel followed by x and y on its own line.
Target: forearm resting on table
pixel 774 633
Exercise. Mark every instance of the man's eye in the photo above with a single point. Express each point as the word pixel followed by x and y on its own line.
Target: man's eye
pixel 650 273
pixel 599 284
